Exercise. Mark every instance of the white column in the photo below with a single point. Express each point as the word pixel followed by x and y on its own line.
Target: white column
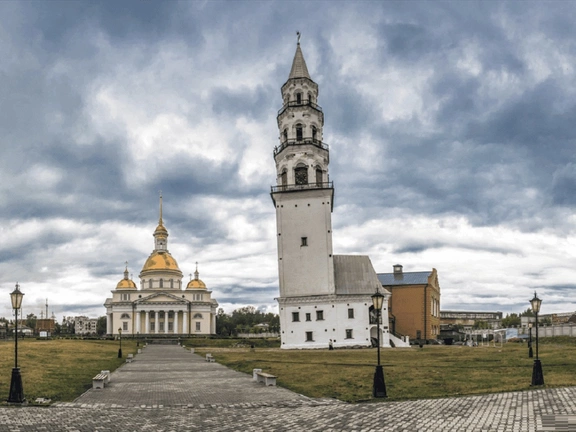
pixel 137 321
pixel 175 322
pixel 185 322
pixel 109 323
pixel 156 321
pixel 147 325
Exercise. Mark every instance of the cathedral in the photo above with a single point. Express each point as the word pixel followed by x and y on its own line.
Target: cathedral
pixel 325 299
pixel 161 306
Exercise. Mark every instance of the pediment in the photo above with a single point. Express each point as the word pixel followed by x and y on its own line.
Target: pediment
pixel 161 297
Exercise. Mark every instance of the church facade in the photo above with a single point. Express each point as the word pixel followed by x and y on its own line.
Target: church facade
pixel 325 299
pixel 161 305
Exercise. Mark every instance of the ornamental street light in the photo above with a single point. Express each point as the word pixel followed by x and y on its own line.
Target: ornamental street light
pixel 530 351
pixel 120 339
pixel 537 375
pixel 379 386
pixel 16 390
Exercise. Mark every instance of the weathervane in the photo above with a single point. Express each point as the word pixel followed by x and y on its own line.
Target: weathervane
pixel 298 34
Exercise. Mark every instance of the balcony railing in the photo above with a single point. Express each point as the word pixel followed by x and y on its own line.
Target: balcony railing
pixel 305 141
pixel 296 187
pixel 305 102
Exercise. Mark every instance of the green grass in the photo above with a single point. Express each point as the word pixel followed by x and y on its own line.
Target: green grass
pixel 60 370
pixel 410 373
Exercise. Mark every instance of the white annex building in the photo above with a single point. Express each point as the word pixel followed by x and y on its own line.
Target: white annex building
pixel 323 297
pixel 161 307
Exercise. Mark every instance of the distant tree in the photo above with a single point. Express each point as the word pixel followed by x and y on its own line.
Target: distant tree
pixel 101 326
pixel 481 325
pixel 57 328
pixel 243 320
pixel 511 320
pixel 527 313
pixel 30 321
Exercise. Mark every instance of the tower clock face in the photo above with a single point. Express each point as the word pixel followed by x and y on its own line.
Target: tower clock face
pixel 301 176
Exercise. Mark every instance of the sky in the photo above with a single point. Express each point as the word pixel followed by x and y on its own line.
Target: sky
pixel 451 126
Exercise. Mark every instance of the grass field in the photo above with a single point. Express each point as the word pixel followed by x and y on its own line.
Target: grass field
pixel 410 373
pixel 62 370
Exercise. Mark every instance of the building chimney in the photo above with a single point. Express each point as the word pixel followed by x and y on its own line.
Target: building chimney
pixel 397 268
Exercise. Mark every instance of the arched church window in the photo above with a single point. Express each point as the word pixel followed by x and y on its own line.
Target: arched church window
pixel 125 316
pixel 314 133
pixel 298 98
pixel 150 283
pixel 198 315
pixel 298 132
pixel 318 176
pixel 284 178
pixel 301 175
pixel 161 283
pixel 171 283
pixel 310 98
pixel 285 135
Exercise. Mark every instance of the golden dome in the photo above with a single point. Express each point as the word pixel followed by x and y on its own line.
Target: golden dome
pixel 126 283
pixel 160 260
pixel 160 229
pixel 196 284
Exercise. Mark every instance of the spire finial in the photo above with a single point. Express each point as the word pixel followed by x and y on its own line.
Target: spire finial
pixel 160 221
pixel 298 34
pixel 126 271
pixel 196 274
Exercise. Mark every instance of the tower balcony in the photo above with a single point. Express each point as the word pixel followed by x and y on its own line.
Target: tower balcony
pixel 299 187
pixel 303 103
pixel 304 141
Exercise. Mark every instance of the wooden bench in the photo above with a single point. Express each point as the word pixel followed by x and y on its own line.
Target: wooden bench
pixel 100 380
pixel 209 358
pixel 129 358
pixel 267 379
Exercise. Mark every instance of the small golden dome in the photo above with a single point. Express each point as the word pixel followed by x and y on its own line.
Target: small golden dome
pixel 126 283
pixel 160 260
pixel 196 284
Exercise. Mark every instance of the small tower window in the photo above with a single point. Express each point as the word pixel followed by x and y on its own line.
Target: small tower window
pixel 303 241
pixel 298 98
pixel 150 283
pixel 298 132
pixel 310 98
pixel 171 283
pixel 301 175
pixel 284 178
pixel 285 135
pixel 161 283
pixel 318 176
pixel 314 133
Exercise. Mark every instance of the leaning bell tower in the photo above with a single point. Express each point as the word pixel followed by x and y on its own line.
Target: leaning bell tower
pixel 303 195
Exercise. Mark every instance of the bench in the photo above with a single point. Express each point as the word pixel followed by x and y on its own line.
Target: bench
pixel 101 379
pixel 209 358
pixel 129 358
pixel 267 379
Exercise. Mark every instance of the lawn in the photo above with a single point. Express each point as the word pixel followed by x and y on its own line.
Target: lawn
pixel 60 370
pixel 410 373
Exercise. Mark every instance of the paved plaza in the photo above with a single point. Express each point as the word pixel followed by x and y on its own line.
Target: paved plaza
pixel 166 388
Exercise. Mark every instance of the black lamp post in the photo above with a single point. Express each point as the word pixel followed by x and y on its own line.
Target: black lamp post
pixel 379 387
pixel 120 338
pixel 16 389
pixel 537 375
pixel 530 351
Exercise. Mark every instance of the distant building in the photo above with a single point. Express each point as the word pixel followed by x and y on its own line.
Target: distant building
pixel 45 325
pixel 414 305
pixel 468 319
pixel 84 325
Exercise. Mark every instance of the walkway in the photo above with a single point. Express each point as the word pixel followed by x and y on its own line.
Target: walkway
pixel 169 389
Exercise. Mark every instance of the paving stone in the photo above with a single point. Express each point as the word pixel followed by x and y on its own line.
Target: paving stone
pixel 168 389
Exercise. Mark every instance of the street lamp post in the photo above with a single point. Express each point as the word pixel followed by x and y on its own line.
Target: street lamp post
pixel 16 389
pixel 379 386
pixel 120 338
pixel 530 351
pixel 537 375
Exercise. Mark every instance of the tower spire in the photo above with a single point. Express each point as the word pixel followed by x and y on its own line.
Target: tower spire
pixel 196 274
pixel 160 220
pixel 299 69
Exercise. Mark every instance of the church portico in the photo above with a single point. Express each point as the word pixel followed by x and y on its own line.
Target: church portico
pixel 160 306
